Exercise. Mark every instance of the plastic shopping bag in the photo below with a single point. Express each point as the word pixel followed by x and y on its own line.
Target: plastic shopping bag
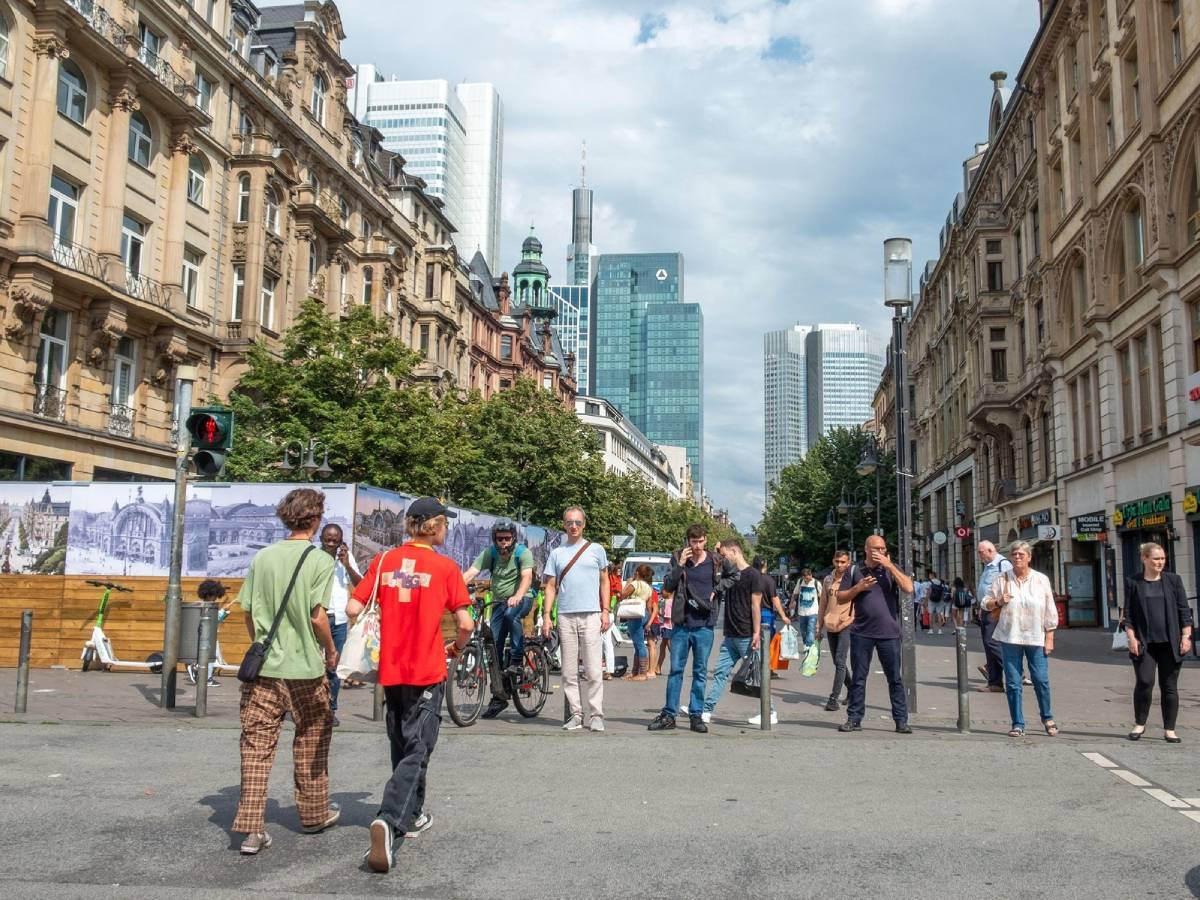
pixel 778 663
pixel 360 654
pixel 789 645
pixel 748 678
pixel 812 659
pixel 1120 640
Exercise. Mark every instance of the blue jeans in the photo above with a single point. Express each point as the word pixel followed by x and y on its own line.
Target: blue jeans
pixel 699 641
pixel 733 650
pixel 1039 674
pixel 768 625
pixel 637 634
pixel 339 641
pixel 507 622
pixel 888 650
pixel 807 626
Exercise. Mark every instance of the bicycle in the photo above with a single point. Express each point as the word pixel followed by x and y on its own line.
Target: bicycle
pixel 99 649
pixel 476 673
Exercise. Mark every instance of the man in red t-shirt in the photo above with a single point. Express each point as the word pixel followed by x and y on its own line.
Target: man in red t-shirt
pixel 414 585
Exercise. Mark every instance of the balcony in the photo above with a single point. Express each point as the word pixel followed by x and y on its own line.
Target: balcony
pixel 49 401
pixel 103 24
pixel 161 69
pixel 120 419
pixel 143 287
pixel 78 259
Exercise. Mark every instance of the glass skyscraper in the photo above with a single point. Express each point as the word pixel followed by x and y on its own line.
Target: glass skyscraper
pixel 571 302
pixel 844 364
pixel 785 400
pixel 647 355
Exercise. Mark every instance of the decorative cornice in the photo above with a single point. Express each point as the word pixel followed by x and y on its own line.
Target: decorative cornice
pixel 51 46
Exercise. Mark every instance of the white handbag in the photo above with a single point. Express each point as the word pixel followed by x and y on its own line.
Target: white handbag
pixel 360 654
pixel 632 608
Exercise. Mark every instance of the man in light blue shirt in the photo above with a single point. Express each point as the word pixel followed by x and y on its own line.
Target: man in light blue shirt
pixel 576 576
pixel 993 565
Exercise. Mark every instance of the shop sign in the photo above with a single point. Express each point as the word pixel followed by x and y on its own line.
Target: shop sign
pixel 1149 512
pixel 990 532
pixel 1193 386
pixel 1092 527
pixel 1028 525
pixel 1191 503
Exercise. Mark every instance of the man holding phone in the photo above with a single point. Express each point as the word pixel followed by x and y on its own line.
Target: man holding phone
pixel 874 587
pixel 345 579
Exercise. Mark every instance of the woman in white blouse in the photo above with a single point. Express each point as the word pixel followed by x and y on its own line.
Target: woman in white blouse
pixel 1025 631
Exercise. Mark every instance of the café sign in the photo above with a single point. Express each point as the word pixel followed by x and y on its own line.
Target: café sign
pixel 1028 525
pixel 1149 512
pixel 1191 503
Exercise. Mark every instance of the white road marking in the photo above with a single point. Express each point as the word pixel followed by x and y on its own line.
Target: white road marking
pixel 1164 797
pixel 1100 760
pixel 1135 780
pixel 1192 814
pixel 1192 801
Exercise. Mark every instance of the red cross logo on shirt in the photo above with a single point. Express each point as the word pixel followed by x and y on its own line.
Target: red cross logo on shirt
pixel 405 579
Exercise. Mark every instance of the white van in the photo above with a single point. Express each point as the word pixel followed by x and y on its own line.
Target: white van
pixel 659 562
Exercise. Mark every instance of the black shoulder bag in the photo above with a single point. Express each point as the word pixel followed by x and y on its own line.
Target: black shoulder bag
pixel 256 655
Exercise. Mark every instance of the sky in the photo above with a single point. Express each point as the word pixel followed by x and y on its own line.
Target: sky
pixel 775 144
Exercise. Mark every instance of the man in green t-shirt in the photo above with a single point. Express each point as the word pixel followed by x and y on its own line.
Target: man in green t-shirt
pixel 293 674
pixel 511 567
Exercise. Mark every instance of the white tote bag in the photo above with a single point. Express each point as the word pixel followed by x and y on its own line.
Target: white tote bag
pixel 360 654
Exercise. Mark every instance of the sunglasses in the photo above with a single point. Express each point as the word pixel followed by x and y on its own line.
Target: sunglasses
pixel 576 522
pixel 504 539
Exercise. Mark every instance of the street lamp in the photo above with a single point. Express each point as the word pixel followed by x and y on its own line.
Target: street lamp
pixel 868 464
pixel 897 294
pixel 306 458
pixel 851 504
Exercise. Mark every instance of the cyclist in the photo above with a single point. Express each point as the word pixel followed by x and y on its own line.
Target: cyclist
pixel 511 566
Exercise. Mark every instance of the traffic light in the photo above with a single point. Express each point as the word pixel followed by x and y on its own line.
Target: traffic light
pixel 211 430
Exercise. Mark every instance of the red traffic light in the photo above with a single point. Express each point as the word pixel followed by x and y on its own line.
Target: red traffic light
pixel 210 429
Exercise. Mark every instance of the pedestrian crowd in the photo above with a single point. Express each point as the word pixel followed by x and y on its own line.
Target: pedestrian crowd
pixel 854 608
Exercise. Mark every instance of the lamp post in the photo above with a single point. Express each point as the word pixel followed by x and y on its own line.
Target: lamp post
pixel 897 294
pixel 868 464
pixel 832 524
pixel 306 458
pixel 848 506
pixel 185 377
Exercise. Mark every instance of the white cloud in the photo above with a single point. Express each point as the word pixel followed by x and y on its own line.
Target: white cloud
pixel 775 144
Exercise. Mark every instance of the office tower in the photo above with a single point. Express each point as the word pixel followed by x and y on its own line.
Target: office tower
pixel 571 303
pixel 844 363
pixel 785 400
pixel 452 137
pixel 581 252
pixel 646 353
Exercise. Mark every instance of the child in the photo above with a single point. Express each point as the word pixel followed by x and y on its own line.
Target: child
pixel 212 591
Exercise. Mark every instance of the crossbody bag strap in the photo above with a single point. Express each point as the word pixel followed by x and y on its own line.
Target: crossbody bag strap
pixel 286 594
pixel 567 568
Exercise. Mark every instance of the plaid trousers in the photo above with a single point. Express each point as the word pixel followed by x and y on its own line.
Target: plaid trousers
pixel 263 704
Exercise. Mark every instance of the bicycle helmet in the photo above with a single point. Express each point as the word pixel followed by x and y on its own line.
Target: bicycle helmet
pixel 504 526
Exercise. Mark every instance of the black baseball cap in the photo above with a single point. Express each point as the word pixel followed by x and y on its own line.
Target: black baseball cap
pixel 427 507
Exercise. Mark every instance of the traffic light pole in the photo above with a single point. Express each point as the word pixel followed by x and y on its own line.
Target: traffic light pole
pixel 186 375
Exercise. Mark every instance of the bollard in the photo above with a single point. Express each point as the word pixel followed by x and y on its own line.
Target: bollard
pixel 204 648
pixel 23 662
pixel 764 691
pixel 964 698
pixel 377 703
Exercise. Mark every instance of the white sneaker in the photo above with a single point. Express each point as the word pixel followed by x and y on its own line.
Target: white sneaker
pixel 575 723
pixel 423 823
pixel 597 725
pixel 757 720
pixel 705 717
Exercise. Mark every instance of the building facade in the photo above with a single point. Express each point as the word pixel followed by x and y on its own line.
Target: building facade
pixel 452 137
pixel 843 363
pixel 1070 282
pixel 785 401
pixel 626 450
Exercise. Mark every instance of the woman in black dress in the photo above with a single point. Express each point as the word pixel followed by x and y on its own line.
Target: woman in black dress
pixel 1158 623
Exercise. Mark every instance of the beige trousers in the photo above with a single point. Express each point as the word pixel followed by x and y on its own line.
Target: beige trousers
pixel 581 638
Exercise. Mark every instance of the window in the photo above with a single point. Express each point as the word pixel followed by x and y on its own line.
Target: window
pixel 133 242
pixel 50 374
pixel 548 381
pixel 344 208
pixel 313 263
pixel 430 280
pixel 1101 26
pixel 1035 221
pixel 243 207
pixel 123 369
pixel 506 346
pixel 3 47
pixel 1019 251
pixel 1108 127
pixel 364 228
pixel 995 275
pixel 993 247
pixel 1132 252
pixel 1022 341
pixel 1028 451
pixel 192 260
pixel 1085 384
pixel 1058 191
pixel 151 43
pixel 425 339
pixel 1192 222
pixel 996 334
pixel 1073 66
pixel 1175 24
pixel 266 311
pixel 1078 298
pixel 999 365
pixel 1194 312
pixel 1145 399
pixel 272 210
pixel 1040 313
pixel 72 91
pixel 204 91
pixel 245 124
pixel 139 140
pixel 368 286
pixel 1133 94
pixel 1160 378
pixel 1125 369
pixel 1047 452
pixel 319 89
pixel 197 179
pixel 239 294
pixel 64 207
pixel 1077 163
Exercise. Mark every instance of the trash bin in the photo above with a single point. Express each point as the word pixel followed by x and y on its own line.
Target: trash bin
pixel 1061 602
pixel 189 631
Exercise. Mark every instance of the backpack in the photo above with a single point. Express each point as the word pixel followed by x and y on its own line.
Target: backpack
pixel 938 592
pixel 494 559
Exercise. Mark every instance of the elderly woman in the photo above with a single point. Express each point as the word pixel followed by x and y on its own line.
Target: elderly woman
pixel 1025 630
pixel 1158 623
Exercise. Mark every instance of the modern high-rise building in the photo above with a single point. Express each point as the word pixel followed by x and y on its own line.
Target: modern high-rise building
pixel 844 363
pixel 581 252
pixel 570 301
pixel 452 137
pixel 785 400
pixel 646 354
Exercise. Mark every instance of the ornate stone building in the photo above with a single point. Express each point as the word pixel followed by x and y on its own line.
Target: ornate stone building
pixel 1066 302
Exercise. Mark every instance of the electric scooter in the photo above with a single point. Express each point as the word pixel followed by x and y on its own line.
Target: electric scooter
pixel 98 652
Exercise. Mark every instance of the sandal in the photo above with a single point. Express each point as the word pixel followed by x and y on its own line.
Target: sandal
pixel 1017 732
pixel 1051 728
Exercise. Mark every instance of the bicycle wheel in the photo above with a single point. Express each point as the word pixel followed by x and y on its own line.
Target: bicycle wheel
pixel 466 687
pixel 531 690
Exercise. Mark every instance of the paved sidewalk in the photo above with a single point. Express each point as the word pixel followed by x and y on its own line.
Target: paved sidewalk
pixel 1092 695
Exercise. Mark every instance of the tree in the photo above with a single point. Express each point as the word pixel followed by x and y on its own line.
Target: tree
pixel 794 521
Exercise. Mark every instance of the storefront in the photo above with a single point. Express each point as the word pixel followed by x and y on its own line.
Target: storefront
pixel 1085 572
pixel 1043 551
pixel 1191 511
pixel 1139 521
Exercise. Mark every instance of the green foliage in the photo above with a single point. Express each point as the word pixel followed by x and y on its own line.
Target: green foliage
pixel 53 560
pixel 347 382
pixel 794 521
pixel 22 537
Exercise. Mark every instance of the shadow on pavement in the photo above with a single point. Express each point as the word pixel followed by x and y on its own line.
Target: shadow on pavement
pixel 354 806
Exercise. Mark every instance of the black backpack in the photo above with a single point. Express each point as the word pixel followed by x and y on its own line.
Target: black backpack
pixel 938 592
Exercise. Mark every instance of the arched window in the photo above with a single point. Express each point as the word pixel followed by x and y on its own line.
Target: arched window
pixel 1192 219
pixel 245 124
pixel 3 46
pixel 272 210
pixel 368 286
pixel 72 91
pixel 1078 307
pixel 139 140
pixel 243 204
pixel 197 185
pixel 319 89
pixel 313 261
pixel 1131 252
pixel 1028 426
